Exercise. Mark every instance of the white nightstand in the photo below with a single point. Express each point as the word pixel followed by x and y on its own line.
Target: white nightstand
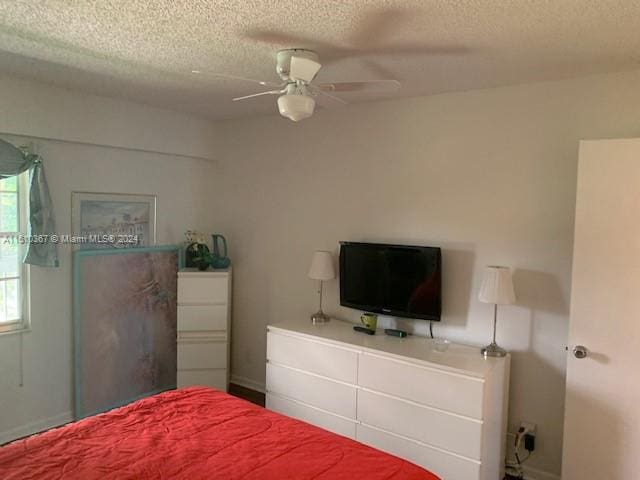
pixel 204 313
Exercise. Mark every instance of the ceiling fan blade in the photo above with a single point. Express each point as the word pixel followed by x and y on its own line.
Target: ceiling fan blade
pixel 303 68
pixel 333 97
pixel 235 77
pixel 376 26
pixel 418 49
pixel 367 86
pixel 316 91
pixel 288 40
pixel 329 52
pixel 372 39
pixel 270 92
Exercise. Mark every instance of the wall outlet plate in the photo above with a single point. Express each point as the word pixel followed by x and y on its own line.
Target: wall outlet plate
pixel 528 428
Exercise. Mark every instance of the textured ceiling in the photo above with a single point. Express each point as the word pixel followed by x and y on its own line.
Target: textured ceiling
pixel 144 50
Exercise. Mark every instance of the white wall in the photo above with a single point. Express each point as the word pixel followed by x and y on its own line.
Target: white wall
pixel 182 186
pixel 43 111
pixel 489 176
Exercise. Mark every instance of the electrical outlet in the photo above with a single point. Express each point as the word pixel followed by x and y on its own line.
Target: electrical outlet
pixel 527 433
pixel 527 428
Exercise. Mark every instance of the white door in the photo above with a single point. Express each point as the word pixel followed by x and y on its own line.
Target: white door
pixel 602 421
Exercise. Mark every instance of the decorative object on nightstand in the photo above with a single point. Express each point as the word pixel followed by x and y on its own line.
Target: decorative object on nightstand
pixel 496 288
pixel 203 260
pixel 195 248
pixel 321 269
pixel 220 258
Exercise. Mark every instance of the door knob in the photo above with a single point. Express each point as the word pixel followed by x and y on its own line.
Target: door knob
pixel 580 351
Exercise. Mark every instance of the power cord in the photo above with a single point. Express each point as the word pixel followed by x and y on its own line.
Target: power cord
pixel 514 469
pixel 431 329
pixel 522 460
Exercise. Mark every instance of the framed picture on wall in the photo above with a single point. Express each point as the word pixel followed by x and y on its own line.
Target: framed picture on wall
pixel 113 220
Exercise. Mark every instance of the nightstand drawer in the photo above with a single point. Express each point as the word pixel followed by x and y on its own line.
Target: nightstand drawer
pixel 208 378
pixel 192 290
pixel 199 354
pixel 202 317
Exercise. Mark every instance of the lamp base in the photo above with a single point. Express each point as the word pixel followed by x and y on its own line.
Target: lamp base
pixel 319 318
pixel 493 350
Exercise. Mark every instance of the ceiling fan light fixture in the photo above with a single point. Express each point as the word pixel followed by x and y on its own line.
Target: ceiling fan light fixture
pixel 296 107
pixel 297 69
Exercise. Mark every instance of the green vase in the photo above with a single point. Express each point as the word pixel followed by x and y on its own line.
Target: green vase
pixel 220 258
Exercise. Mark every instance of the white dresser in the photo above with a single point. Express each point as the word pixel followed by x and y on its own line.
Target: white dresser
pixel 443 411
pixel 204 312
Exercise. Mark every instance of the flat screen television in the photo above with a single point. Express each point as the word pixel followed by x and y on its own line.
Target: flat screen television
pixel 396 280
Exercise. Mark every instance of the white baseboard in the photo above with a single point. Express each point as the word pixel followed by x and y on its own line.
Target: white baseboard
pixel 248 383
pixel 535 474
pixel 35 427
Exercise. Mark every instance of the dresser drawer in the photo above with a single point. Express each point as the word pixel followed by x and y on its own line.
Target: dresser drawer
pixel 450 432
pixel 201 354
pixel 315 391
pixel 326 360
pixel 431 387
pixel 316 417
pixel 208 378
pixel 202 317
pixel 446 466
pixel 203 290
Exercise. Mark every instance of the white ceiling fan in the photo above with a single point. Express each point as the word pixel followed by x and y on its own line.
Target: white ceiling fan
pixel 298 68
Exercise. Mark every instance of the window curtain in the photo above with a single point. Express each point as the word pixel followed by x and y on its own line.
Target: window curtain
pixel 14 161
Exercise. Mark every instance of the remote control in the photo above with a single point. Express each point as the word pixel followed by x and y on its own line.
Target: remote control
pixel 395 333
pixel 366 330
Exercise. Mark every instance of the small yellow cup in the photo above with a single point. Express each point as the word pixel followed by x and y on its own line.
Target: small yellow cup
pixel 369 320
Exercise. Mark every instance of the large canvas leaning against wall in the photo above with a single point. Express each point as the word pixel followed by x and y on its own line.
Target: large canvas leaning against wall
pixel 125 318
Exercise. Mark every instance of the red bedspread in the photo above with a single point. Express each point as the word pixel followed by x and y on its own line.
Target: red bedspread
pixel 197 433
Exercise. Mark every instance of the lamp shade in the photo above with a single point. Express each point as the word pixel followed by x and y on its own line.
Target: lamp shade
pixel 322 266
pixel 497 286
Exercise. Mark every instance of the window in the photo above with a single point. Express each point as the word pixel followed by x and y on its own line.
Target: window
pixel 13 274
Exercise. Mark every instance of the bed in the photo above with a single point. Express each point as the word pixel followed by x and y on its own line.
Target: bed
pixel 197 433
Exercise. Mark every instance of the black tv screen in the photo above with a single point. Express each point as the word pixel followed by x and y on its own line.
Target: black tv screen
pixel 397 280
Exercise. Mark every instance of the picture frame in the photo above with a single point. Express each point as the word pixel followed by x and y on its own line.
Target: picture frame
pixel 125 325
pixel 112 220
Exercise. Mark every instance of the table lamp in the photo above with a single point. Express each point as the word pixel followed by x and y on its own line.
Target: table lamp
pixel 496 288
pixel 321 269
